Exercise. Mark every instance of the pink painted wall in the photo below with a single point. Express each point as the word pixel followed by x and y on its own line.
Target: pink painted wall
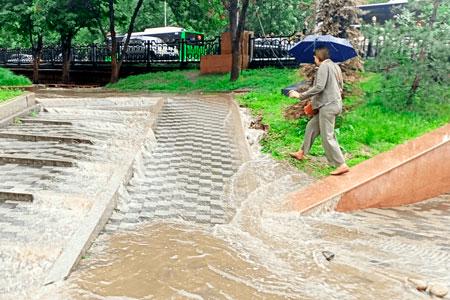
pixel 421 178
pixel 411 172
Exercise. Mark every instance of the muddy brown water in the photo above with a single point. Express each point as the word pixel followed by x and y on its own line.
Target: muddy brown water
pixel 265 254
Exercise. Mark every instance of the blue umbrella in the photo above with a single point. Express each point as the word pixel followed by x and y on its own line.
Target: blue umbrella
pixel 340 49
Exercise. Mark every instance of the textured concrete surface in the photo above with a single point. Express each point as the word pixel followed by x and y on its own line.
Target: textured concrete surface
pixel 33 235
pixel 183 177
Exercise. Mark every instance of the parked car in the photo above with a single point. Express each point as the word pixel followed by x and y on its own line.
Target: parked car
pixel 20 58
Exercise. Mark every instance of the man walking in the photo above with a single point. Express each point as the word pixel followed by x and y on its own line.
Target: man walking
pixel 327 104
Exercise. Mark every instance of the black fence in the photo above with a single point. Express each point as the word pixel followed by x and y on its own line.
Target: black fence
pixel 272 51
pixel 267 51
pixel 138 52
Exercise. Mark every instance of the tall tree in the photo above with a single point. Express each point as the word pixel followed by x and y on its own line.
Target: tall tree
pixel 338 18
pixel 237 12
pixel 115 62
pixel 413 55
pixel 67 17
pixel 26 18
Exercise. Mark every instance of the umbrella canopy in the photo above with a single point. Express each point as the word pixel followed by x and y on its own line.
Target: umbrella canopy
pixel 340 49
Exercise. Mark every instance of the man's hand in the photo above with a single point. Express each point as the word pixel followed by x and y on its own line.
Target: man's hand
pixel 294 94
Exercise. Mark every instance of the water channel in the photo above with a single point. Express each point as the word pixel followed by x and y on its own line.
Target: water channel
pixel 264 253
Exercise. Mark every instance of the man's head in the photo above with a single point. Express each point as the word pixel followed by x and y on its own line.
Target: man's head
pixel 321 53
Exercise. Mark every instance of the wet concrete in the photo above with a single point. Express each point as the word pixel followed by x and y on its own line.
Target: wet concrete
pixel 258 252
pixel 262 253
pixel 33 234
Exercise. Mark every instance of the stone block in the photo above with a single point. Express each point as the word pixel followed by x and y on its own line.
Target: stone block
pixel 220 64
pixel 16 105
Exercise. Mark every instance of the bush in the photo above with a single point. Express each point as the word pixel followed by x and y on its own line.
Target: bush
pixel 8 78
pixel 413 57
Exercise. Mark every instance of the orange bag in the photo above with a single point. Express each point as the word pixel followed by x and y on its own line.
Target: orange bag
pixel 308 109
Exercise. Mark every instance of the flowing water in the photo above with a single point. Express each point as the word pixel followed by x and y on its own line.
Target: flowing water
pixel 270 255
pixel 263 253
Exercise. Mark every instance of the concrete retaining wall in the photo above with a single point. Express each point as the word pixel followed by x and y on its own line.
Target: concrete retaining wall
pixel 16 105
pixel 409 173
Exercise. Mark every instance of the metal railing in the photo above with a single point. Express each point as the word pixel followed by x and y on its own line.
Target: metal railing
pixel 143 53
pixel 263 51
pixel 272 50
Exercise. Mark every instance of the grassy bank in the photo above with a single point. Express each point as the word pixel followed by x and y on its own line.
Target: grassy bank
pixel 263 80
pixel 365 130
pixel 8 78
pixel 9 94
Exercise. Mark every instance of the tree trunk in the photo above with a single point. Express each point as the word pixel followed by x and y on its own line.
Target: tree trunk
pixel 36 51
pixel 66 45
pixel 237 25
pixel 235 45
pixel 112 30
pixel 130 31
pixel 117 64
pixel 422 55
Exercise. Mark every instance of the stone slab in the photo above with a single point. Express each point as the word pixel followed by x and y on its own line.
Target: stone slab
pixel 45 121
pixel 35 138
pixel 16 196
pixel 35 161
pixel 16 105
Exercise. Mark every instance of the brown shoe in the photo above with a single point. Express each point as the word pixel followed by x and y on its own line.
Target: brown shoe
pixel 297 155
pixel 342 169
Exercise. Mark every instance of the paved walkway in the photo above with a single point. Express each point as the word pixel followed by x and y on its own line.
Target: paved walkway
pixel 185 175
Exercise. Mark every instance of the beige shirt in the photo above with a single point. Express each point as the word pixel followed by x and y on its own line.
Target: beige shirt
pixel 328 85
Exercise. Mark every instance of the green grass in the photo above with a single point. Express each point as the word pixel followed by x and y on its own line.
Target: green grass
pixel 365 129
pixel 191 81
pixel 8 78
pixel 9 94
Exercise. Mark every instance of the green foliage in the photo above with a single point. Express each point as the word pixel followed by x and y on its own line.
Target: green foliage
pixel 9 94
pixel 8 78
pixel 286 21
pixel 67 17
pixel 22 21
pixel 200 15
pixel 414 57
pixel 366 129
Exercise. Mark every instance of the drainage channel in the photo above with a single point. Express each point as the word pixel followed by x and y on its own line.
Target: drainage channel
pixel 180 232
pixel 185 174
pixel 54 168
pixel 199 221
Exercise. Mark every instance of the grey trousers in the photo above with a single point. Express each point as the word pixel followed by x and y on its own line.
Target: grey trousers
pixel 323 124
